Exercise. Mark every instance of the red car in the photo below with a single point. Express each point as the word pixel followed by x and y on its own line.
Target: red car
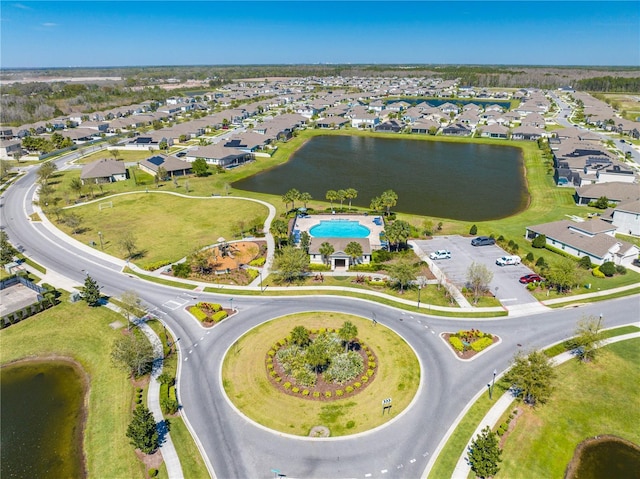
pixel 531 278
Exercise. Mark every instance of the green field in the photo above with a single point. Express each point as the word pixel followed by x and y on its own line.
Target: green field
pixel 165 227
pixel 245 378
pixel 83 334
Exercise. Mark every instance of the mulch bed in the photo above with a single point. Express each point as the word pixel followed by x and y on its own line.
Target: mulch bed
pixel 211 324
pixel 469 353
pixel 321 385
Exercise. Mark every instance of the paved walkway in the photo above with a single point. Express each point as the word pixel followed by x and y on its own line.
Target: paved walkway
pixel 501 406
pixel 168 450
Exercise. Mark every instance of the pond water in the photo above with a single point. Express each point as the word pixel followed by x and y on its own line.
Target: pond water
pixel 607 458
pixel 42 406
pixel 464 181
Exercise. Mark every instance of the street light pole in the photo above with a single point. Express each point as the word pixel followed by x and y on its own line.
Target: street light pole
pixel 231 302
pixel 493 382
pixel 419 289
pixel 599 323
pixel 100 236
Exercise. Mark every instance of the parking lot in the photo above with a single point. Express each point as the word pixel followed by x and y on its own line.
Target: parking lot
pixel 505 283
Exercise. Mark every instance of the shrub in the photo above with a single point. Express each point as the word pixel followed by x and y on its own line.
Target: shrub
pixel 608 268
pixel 327 394
pixel 372 364
pixel 473 230
pixel 540 263
pixel 156 265
pixel 318 267
pixel 339 392
pixel 370 372
pixel 531 286
pixel 621 269
pixel 305 392
pixel 271 353
pixel 295 389
pixel 350 424
pixel 539 241
pixel 273 374
pixel 270 366
pixel 357 385
pixel 257 262
pixel 219 316
pixel 349 389
pixel 316 394
pixel 456 343
pixel 169 406
pixel 364 379
pixel 278 379
pixel 529 257
pixel 153 472
pixel 198 313
pixel 585 262
pixel 597 273
pixel 481 344
pixel 287 385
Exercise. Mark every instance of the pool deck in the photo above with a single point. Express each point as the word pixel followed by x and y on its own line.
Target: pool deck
pixel 305 224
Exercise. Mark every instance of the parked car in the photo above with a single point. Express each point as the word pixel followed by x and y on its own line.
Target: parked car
pixel 531 278
pixel 507 260
pixel 482 241
pixel 440 254
pixel 181 154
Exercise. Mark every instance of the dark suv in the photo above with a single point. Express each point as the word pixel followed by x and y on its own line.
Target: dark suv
pixel 482 241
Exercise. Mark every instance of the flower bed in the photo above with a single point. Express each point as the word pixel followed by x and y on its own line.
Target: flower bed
pixel 208 313
pixel 467 343
pixel 327 384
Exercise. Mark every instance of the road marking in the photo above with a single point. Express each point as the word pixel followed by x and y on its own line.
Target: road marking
pixel 433 332
pixel 508 299
pixel 208 332
pixel 190 351
pixel 201 338
pixel 195 345
pixel 411 316
pixel 367 475
pixel 425 454
pixel 412 461
pixel 186 359
pixel 426 327
pixel 384 471
pixel 400 466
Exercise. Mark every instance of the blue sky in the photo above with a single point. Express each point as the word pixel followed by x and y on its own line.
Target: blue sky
pixel 127 33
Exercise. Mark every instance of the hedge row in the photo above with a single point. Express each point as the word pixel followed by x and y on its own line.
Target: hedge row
pixel 456 343
pixel 219 316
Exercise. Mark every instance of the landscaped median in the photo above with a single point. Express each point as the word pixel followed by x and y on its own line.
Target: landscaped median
pixel 585 394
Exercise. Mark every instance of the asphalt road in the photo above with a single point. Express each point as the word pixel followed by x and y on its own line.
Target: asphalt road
pixel 236 447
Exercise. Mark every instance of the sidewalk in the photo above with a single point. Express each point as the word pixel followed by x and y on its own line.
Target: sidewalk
pixel 168 450
pixel 501 406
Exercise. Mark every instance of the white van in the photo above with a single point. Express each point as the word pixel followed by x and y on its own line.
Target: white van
pixel 506 260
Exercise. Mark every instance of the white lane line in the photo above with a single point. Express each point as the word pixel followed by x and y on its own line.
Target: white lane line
pixel 195 345
pixel 367 475
pixel 190 351
pixel 412 460
pixel 208 332
pixel 425 454
pixel 201 338
pixel 433 332
pixel 508 299
pixel 186 359
pixel 400 466
pixel 384 471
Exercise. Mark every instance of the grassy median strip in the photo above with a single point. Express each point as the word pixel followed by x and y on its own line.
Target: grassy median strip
pixel 83 334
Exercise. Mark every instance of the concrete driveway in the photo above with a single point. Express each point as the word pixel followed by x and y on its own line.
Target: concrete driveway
pixel 505 283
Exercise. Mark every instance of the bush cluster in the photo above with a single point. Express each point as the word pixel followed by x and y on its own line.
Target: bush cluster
pixel 257 262
pixel 473 339
pixel 156 265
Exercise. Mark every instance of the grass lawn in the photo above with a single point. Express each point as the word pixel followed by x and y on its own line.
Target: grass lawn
pixel 165 227
pixel 245 378
pixel 83 334
pixel 589 400
pixel 454 447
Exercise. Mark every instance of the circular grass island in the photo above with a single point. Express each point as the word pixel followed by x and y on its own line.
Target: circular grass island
pixel 251 389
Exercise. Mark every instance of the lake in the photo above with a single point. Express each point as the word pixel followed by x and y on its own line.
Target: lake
pixel 463 181
pixel 42 420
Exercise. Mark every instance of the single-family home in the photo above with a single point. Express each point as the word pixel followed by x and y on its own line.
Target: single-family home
pixel 172 165
pixel 594 238
pixel 626 217
pixel 103 171
pixel 457 129
pixel 495 131
pixel 219 155
pixel 10 148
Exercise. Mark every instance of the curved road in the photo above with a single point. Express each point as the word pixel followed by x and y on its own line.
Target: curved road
pixel 235 447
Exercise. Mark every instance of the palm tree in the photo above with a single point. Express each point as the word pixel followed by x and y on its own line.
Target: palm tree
pixel 279 230
pixel 347 332
pixel 326 250
pixel 76 186
pixel 354 250
pixel 398 232
pixel 332 195
pixel 376 204
pixel 389 200
pixel 286 199
pixel 350 194
pixel 293 195
pixel 305 198
pixel 342 194
pixel 300 336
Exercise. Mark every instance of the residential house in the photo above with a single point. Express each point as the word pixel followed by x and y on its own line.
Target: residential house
pixel 457 129
pixel 424 126
pixel 10 148
pixel 594 238
pixel 495 131
pixel 173 166
pixel 390 126
pixel 626 217
pixel 615 192
pixel 529 133
pixel 219 155
pixel 103 171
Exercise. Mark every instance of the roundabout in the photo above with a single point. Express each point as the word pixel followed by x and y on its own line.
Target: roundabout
pixel 346 408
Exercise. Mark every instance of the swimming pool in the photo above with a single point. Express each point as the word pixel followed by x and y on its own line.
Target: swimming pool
pixel 339 229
